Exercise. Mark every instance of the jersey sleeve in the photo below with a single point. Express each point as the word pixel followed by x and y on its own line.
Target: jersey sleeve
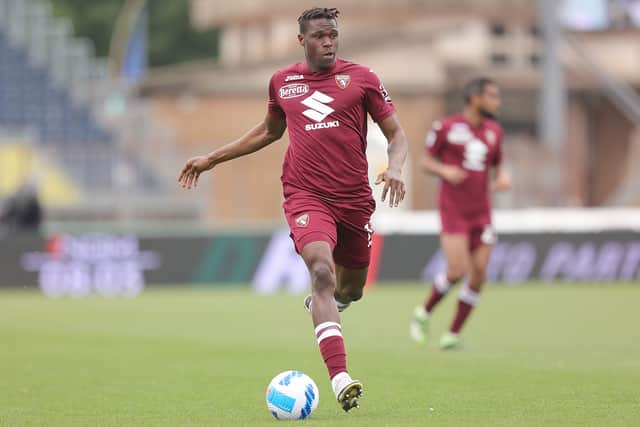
pixel 436 138
pixel 497 158
pixel 376 98
pixel 273 105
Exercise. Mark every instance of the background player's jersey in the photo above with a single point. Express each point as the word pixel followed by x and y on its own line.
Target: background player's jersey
pixel 326 114
pixel 476 149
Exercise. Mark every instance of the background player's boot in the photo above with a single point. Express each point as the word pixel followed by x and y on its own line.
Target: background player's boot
pixel 347 390
pixel 341 306
pixel 450 341
pixel 419 327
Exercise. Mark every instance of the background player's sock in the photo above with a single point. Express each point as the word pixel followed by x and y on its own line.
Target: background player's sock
pixel 329 336
pixel 466 301
pixel 439 289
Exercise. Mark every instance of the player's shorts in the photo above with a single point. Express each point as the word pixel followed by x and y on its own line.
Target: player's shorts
pixel 344 226
pixel 477 228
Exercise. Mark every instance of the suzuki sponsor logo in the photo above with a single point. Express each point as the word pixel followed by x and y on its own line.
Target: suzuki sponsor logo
pixel 293 90
pixel 324 125
pixel 318 108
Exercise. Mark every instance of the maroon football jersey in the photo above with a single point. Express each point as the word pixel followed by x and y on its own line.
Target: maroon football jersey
pixel 326 113
pixel 476 149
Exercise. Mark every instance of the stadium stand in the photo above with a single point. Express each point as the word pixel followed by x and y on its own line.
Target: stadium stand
pixel 79 117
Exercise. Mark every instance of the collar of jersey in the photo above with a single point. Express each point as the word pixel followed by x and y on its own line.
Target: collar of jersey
pixel 471 125
pixel 310 74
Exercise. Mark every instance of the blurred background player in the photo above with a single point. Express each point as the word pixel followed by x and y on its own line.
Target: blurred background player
pixel 465 151
pixel 22 212
pixel 324 102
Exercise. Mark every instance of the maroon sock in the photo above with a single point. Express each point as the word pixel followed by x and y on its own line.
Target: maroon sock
pixel 329 336
pixel 433 299
pixel 438 291
pixel 467 300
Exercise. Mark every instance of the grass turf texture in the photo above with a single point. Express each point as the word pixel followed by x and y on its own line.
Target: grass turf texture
pixel 534 355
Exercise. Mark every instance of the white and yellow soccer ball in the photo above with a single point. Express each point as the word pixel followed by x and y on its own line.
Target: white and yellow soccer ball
pixel 292 395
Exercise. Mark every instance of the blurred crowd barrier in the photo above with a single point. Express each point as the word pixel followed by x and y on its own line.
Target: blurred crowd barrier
pixel 546 246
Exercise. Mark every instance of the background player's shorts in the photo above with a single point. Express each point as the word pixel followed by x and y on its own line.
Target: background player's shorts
pixel 344 226
pixel 477 228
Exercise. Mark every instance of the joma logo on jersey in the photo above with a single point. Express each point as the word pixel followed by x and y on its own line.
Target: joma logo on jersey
pixel 293 90
pixel 293 77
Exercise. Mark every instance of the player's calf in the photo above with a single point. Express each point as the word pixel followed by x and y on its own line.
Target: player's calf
pixel 348 295
pixel 440 288
pixel 467 300
pixel 339 305
pixel 346 389
pixel 349 285
pixel 345 298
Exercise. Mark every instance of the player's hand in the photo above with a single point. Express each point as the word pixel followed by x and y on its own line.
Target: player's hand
pixel 502 182
pixel 393 184
pixel 192 169
pixel 453 174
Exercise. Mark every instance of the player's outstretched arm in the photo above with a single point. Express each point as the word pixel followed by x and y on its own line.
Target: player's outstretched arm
pixel 263 134
pixel 450 173
pixel 502 180
pixel 397 153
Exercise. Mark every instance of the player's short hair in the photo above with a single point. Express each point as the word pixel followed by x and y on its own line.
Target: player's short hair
pixel 316 13
pixel 475 87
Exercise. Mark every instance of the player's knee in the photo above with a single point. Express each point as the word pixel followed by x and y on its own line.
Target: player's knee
pixel 455 274
pixel 322 276
pixel 477 279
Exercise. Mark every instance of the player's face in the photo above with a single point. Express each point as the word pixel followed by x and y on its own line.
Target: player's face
pixel 320 42
pixel 489 101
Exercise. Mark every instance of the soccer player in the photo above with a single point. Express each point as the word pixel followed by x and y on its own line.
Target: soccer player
pixel 324 101
pixel 465 151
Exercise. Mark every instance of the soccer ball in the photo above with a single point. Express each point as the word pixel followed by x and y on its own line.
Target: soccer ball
pixel 292 395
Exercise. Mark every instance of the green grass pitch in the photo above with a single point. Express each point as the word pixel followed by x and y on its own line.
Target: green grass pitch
pixel 535 355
